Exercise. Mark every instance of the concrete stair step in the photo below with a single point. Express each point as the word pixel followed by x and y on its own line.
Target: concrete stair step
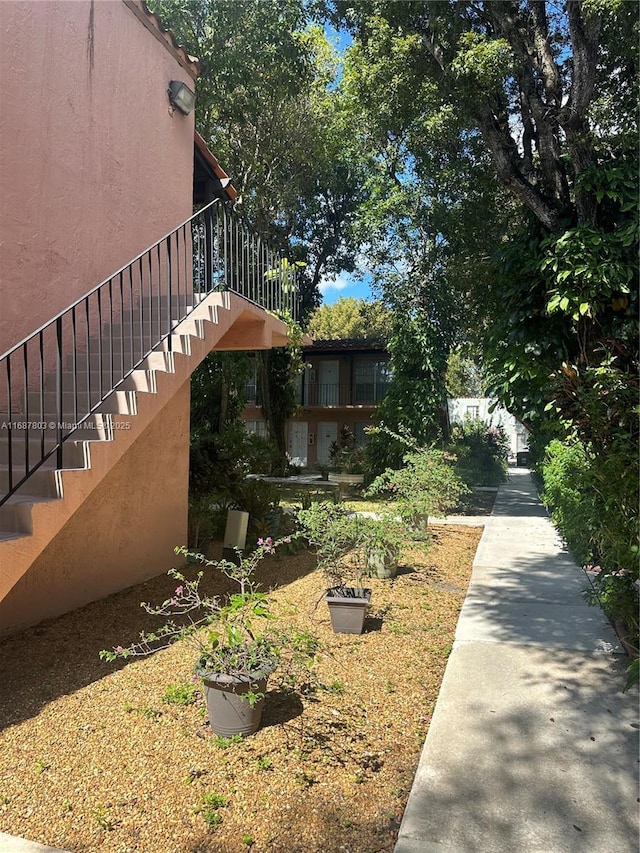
pixel 127 339
pixel 44 483
pixel 45 408
pixel 139 380
pixel 179 344
pixel 75 454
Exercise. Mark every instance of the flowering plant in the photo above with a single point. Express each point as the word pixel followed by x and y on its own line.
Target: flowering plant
pixel 230 634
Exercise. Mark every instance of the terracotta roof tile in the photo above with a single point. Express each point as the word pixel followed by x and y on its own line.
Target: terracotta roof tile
pixel 153 23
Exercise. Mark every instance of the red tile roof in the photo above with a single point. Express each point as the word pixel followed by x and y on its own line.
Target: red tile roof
pixel 155 26
pixel 212 160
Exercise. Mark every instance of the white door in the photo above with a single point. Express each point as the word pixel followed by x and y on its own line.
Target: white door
pixel 328 375
pixel 327 434
pixel 297 445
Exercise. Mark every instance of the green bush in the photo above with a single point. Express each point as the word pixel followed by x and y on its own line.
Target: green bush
pixel 564 476
pixel 426 485
pixel 334 532
pixel 482 453
pixel 593 500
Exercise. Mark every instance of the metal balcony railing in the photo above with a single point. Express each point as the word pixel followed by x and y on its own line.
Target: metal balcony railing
pixel 332 395
pixel 57 378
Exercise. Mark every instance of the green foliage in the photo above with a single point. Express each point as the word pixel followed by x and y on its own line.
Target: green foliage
pixel 180 694
pixel 427 484
pixel 481 453
pixel 225 742
pixel 104 818
pixel 633 674
pixel 344 456
pixel 334 533
pixel 380 537
pixel 210 804
pixel 564 474
pixel 615 593
pixel 236 635
pixel 463 375
pixel 415 401
pixel 593 501
pixel 269 108
pixel 277 372
pixel 544 259
pixel 593 266
pixel 350 318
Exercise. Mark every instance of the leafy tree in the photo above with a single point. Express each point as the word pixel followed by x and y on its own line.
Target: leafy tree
pixel 463 376
pixel 266 107
pixel 350 318
pixel 510 128
pixel 545 94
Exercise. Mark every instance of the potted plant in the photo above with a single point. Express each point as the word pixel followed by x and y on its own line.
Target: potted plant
pixel 346 461
pixel 335 533
pixel 380 540
pixel 236 651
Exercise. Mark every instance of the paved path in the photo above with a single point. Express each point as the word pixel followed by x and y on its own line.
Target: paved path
pixel 532 747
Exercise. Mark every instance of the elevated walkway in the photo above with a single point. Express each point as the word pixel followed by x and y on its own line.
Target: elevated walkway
pixel 533 747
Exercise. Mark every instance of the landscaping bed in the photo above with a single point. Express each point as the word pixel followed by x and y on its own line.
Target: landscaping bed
pixel 93 757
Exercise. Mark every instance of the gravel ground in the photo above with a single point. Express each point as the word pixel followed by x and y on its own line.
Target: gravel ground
pixel 92 758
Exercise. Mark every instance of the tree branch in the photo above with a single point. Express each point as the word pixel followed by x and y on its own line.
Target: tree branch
pixel 506 162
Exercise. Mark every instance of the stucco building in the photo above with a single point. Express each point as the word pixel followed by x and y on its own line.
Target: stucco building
pixel 99 333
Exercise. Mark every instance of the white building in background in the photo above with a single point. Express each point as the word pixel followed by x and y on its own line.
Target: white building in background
pixel 488 411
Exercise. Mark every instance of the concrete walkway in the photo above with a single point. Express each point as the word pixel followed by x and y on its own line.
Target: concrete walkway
pixel 533 748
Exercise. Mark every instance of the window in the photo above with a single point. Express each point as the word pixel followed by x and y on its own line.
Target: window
pixel 473 412
pixel 251 388
pixel 371 380
pixel 257 427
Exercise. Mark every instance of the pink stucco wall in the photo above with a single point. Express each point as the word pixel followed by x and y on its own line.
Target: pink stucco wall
pixel 125 531
pixel 94 165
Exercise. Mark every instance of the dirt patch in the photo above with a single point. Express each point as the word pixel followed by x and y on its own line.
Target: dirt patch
pixel 91 757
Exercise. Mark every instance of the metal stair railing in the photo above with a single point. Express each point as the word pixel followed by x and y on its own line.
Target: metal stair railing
pixel 56 379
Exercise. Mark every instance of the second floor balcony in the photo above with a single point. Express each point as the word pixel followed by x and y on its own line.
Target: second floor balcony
pixel 331 395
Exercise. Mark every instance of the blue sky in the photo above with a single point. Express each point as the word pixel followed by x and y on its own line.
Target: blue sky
pixel 346 284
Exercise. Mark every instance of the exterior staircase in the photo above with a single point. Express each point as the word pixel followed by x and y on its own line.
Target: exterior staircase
pixel 77 395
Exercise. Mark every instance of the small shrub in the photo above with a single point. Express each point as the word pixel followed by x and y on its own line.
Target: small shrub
pixel 225 742
pixel 426 485
pixel 593 501
pixel 103 817
pixel 334 532
pixel 344 456
pixel 481 451
pixel 564 471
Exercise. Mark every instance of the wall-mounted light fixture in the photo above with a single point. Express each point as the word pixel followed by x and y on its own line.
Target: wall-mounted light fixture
pixel 181 96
